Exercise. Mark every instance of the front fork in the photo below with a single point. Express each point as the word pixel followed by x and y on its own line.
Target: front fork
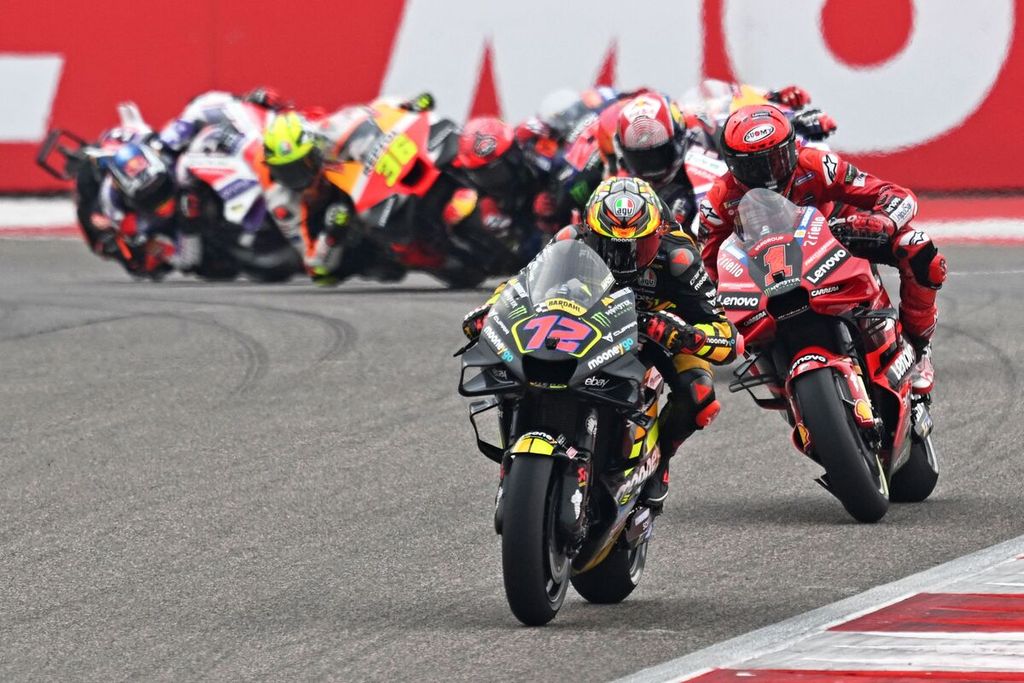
pixel 574 470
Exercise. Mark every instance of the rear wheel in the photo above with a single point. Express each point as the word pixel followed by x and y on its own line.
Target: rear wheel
pixel 916 480
pixel 535 568
pixel 615 578
pixel 853 473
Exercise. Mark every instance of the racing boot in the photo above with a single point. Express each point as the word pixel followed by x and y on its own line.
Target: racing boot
pixel 691 406
pixel 922 375
pixel 656 488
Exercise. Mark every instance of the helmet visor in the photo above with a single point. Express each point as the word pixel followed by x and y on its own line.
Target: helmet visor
pixel 496 178
pixel 656 164
pixel 625 258
pixel 297 175
pixel 769 169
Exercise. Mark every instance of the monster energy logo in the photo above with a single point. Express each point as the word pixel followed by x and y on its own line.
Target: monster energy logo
pixel 601 319
pixel 517 312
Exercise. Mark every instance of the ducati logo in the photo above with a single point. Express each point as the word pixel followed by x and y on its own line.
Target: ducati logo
pixel 484 145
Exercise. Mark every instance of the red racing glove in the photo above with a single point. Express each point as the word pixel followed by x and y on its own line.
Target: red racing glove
pixel 544 205
pixel 792 96
pixel 863 229
pixel 670 332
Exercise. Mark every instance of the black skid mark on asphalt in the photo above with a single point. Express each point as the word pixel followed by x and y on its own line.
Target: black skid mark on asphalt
pixel 254 354
pixel 1009 376
pixel 71 326
pixel 343 336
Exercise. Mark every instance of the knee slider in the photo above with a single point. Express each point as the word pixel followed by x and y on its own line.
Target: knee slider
pixel 915 249
pixel 929 267
pixel 697 399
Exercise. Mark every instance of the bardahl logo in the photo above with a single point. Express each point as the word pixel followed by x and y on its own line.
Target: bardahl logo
pixel 759 133
pixel 830 263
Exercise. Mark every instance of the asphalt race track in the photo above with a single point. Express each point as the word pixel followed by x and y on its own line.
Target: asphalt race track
pixel 234 481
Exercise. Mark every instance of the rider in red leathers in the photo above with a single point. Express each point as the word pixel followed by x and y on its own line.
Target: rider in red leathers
pixel 871 216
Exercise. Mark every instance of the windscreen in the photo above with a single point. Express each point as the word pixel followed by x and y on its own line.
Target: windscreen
pixel 762 213
pixel 570 270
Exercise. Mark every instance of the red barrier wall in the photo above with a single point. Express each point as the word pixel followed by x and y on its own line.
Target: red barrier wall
pixel 323 52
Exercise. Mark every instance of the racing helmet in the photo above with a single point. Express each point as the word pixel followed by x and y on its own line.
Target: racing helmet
pixel 291 150
pixel 143 178
pixel 489 156
pixel 624 225
pixel 759 146
pixel 650 137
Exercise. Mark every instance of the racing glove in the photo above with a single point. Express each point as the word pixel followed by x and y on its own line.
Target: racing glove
pixel 267 97
pixel 670 332
pixel 814 124
pixel 473 323
pixel 544 205
pixel 792 96
pixel 422 102
pixel 863 229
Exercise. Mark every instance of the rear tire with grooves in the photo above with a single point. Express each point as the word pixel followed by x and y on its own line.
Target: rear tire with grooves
pixel 536 576
pixel 839 447
pixel 916 480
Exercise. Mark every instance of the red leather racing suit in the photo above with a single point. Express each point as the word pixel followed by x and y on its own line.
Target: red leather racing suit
pixel 838 189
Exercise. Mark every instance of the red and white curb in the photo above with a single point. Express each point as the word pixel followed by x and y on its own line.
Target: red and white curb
pixel 38 218
pixel 959 621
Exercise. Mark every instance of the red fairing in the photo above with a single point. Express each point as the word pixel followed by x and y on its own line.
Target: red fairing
pixel 417 176
pixel 820 179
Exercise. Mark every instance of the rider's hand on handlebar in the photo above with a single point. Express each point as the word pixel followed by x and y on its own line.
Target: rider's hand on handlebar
pixel 863 229
pixel 670 332
pixel 814 124
pixel 473 323
pixel 792 96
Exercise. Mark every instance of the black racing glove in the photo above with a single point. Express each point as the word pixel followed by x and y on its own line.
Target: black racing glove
pixel 814 124
pixel 671 332
pixel 422 102
pixel 267 97
pixel 473 323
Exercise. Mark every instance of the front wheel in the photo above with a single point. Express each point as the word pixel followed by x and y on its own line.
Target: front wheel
pixel 853 473
pixel 615 578
pixel 916 480
pixel 535 567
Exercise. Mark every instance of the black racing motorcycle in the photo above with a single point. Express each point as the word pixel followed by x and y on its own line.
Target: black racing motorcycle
pixel 577 415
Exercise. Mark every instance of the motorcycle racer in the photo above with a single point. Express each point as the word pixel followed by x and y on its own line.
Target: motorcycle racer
pixel 137 201
pixel 214 107
pixel 871 216
pixel 630 227
pixel 295 153
pixel 512 187
pixel 707 106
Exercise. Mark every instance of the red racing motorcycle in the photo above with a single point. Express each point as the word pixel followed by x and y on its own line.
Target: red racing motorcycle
pixel 825 346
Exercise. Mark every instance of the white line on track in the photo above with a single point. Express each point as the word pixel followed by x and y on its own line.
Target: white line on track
pixel 771 638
